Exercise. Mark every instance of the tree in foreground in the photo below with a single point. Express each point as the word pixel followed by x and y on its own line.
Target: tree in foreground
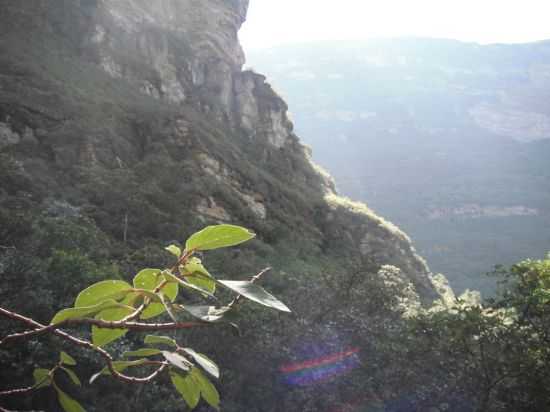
pixel 490 357
pixel 112 308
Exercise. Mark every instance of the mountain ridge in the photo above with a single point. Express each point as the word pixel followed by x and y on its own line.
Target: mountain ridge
pixel 447 138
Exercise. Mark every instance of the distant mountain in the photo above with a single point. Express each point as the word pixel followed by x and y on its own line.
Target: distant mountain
pixel 449 140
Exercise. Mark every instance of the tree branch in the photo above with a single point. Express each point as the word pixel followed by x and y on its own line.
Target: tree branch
pixel 40 328
pixel 135 326
pixel 20 391
pixel 136 314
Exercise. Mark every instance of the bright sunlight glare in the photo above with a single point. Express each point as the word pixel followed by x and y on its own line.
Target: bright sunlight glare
pixel 276 22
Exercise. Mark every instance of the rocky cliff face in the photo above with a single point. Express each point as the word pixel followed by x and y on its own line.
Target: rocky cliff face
pixel 137 115
pixel 185 54
pixel 180 51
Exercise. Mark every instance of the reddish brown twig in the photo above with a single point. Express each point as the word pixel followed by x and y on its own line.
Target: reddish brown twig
pixel 88 345
pixel 136 326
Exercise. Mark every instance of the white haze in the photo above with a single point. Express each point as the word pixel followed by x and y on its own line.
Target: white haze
pixel 275 22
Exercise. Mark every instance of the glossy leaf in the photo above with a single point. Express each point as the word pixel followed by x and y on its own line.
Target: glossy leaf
pixel 215 237
pixel 41 378
pixel 177 360
pixel 165 340
pixel 208 391
pixel 66 359
pixel 82 312
pixel 256 293
pixel 72 376
pixel 98 292
pixel 187 387
pixel 119 366
pixel 173 249
pixel 103 336
pixel 67 403
pixel 207 364
pixel 210 314
pixel 144 352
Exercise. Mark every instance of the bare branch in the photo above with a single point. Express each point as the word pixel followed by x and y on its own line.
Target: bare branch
pixel 20 391
pixel 136 314
pixel 7 410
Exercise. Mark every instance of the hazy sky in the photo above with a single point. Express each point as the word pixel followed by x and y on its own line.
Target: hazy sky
pixel 272 22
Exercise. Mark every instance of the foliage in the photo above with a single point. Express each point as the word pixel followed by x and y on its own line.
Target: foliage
pixel 490 357
pixel 114 307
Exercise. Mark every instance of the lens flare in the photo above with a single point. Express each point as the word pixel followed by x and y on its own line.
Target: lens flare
pixel 314 371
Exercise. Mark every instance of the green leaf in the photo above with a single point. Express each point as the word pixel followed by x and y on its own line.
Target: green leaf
pixel 177 360
pixel 67 403
pixel 215 237
pixel 210 314
pixel 208 391
pixel 66 359
pixel 144 352
pixel 173 249
pixel 169 309
pixel 196 274
pixel 205 284
pixel 149 279
pixel 207 364
pixel 153 310
pixel 82 312
pixel 194 265
pixel 154 339
pixel 254 292
pixel 103 336
pixel 72 375
pixel 174 279
pixel 187 387
pixel 108 289
pixel 147 294
pixel 41 378
pixel 119 366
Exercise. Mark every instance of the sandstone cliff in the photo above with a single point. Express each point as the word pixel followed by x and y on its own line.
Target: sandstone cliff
pixel 186 55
